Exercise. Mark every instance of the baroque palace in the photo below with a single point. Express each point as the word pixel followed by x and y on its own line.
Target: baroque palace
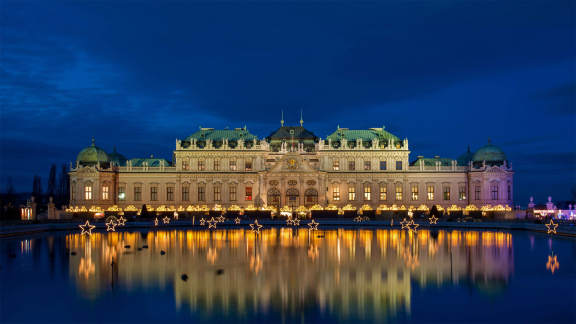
pixel 291 168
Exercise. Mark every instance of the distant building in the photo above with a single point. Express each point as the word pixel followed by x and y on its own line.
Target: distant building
pixel 291 167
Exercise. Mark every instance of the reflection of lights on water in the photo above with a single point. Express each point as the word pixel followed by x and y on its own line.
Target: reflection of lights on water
pixel 552 263
pixel 25 246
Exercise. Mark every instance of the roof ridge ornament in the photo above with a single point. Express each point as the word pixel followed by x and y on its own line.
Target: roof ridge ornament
pixel 282 119
pixel 301 119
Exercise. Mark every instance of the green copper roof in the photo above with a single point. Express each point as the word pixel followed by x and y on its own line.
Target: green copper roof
pixel 221 134
pixel 117 157
pixel 465 158
pixel 432 161
pixel 364 134
pixel 489 153
pixel 92 155
pixel 152 162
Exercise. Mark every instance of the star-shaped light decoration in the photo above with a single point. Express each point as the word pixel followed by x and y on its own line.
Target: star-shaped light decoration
pixel 202 221
pixel 221 219
pixel 166 220
pixel 404 222
pixel 256 227
pixel 358 219
pixel 433 219
pixel 212 223
pixel 156 221
pixel 237 220
pixel 121 221
pixel 411 226
pixel 111 226
pixel 296 222
pixel 313 225
pixel 551 227
pixel 552 263
pixel 87 228
pixel 289 221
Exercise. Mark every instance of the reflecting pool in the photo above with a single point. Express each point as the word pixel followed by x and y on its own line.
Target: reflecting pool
pixel 289 275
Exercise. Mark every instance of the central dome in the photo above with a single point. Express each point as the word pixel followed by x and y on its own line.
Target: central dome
pixel 92 155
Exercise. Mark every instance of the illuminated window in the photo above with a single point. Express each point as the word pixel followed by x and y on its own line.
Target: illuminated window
pixel 382 165
pixel 477 192
pixel 367 165
pixel 430 191
pixel 88 192
pixel 122 193
pixel 217 195
pixel 336 193
pixel 383 192
pixel 232 193
pixel 216 165
pixel 201 193
pixel 494 191
pixel 248 194
pixel 185 165
pixel 233 165
pixel 336 165
pixel 105 192
pixel 248 165
pixel 154 193
pixel 137 193
pixel 351 193
pixel 185 192
pixel 367 192
pixel 414 192
pixel 398 165
pixel 201 166
pixel 351 165
pixel 446 193
pixel 462 192
pixel 398 192
pixel 170 193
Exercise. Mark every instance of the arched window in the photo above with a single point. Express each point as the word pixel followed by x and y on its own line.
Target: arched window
pixel 105 191
pixel 292 197
pixel 88 191
pixel 310 197
pixel 274 198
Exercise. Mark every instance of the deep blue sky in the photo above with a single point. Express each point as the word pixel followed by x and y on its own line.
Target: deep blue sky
pixel 139 74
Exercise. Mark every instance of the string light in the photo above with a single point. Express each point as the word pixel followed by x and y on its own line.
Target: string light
pixel 433 220
pixel 166 220
pixel 202 221
pixel 296 222
pixel 212 223
pixel 121 221
pixel 358 219
pixel 237 220
pixel 411 226
pixel 221 219
pixel 404 222
pixel 256 227
pixel 289 221
pixel 87 228
pixel 110 226
pixel 156 221
pixel 552 227
pixel 313 225
pixel 552 263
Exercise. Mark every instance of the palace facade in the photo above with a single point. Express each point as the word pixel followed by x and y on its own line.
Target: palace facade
pixel 291 167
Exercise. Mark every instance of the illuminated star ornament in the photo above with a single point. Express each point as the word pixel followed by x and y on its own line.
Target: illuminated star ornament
pixel 255 227
pixel 166 220
pixel 121 221
pixel 289 221
pixel 404 222
pixel 313 225
pixel 433 220
pixel 212 223
pixel 296 222
pixel 411 226
pixel 111 226
pixel 552 263
pixel 552 227
pixel 221 219
pixel 202 221
pixel 358 219
pixel 237 220
pixel 156 221
pixel 87 228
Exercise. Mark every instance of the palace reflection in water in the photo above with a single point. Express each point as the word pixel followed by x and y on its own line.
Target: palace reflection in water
pixel 340 272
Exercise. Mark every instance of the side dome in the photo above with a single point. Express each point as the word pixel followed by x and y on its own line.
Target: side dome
pixel 464 159
pixel 490 153
pixel 92 155
pixel 117 158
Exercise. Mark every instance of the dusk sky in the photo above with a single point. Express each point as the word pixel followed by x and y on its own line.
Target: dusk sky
pixel 139 74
